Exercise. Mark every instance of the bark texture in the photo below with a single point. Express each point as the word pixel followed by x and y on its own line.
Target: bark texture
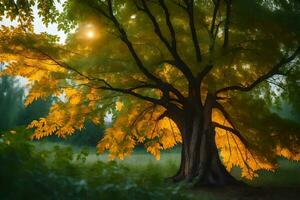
pixel 200 161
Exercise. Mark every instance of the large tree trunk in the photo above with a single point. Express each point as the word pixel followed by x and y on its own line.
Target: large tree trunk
pixel 200 161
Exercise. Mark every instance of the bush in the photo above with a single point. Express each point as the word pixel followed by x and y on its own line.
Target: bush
pixel 28 173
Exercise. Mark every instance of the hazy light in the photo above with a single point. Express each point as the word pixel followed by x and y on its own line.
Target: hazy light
pixel 133 16
pixel 89 26
pixel 90 34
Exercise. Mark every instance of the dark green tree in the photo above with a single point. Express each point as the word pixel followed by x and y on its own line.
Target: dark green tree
pixel 11 102
pixel 36 110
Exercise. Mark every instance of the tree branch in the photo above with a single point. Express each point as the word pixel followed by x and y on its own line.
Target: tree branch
pixel 140 115
pixel 232 130
pixel 272 72
pixel 201 75
pixel 132 93
pixel 97 8
pixel 107 86
pixel 162 85
pixel 129 45
pixel 190 12
pixel 227 22
pixel 213 22
pixel 179 4
pixel 169 23
pixel 68 67
pixel 180 63
pixel 204 72
pixel 229 120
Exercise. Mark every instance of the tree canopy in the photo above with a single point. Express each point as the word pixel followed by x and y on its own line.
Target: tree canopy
pixel 141 60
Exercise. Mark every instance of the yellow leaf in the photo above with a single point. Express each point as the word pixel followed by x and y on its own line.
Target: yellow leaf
pixel 70 92
pixel 74 100
pixel 119 106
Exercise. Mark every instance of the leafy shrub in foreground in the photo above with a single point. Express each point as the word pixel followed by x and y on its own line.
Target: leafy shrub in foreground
pixel 26 173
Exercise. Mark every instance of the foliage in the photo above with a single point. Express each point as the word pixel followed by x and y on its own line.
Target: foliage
pixel 15 114
pixel 139 76
pixel 11 104
pixel 60 174
pixel 156 135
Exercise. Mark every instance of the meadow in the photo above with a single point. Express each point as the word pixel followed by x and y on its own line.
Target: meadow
pixel 52 170
pixel 288 173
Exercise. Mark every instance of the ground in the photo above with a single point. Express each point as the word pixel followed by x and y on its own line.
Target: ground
pixel 282 184
pixel 249 193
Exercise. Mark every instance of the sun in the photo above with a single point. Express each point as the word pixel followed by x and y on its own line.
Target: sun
pixel 90 34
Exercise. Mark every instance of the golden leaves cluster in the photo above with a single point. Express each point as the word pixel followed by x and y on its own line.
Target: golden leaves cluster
pixel 69 114
pixel 140 123
pixel 235 153
pixel 286 153
pixel 46 77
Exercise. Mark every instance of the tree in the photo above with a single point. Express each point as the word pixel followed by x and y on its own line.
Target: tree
pixel 89 136
pixel 197 72
pixel 36 110
pixel 12 108
pixel 11 97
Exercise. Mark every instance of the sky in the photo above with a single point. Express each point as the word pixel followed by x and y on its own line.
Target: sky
pixel 39 26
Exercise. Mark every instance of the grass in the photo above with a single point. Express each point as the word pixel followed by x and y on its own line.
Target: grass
pixel 282 184
pixel 44 170
pixel 288 174
pixel 140 161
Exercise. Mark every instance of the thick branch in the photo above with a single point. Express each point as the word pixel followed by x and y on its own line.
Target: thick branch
pixel 213 22
pixel 180 63
pixel 149 86
pixel 225 114
pixel 129 45
pixel 190 12
pixel 227 22
pixel 178 3
pixel 169 23
pixel 204 72
pixel 132 93
pixel 232 130
pixel 163 115
pixel 157 29
pixel 269 74
pixel 125 39
pixel 97 8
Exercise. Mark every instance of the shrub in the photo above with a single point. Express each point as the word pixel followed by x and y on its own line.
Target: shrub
pixel 28 173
